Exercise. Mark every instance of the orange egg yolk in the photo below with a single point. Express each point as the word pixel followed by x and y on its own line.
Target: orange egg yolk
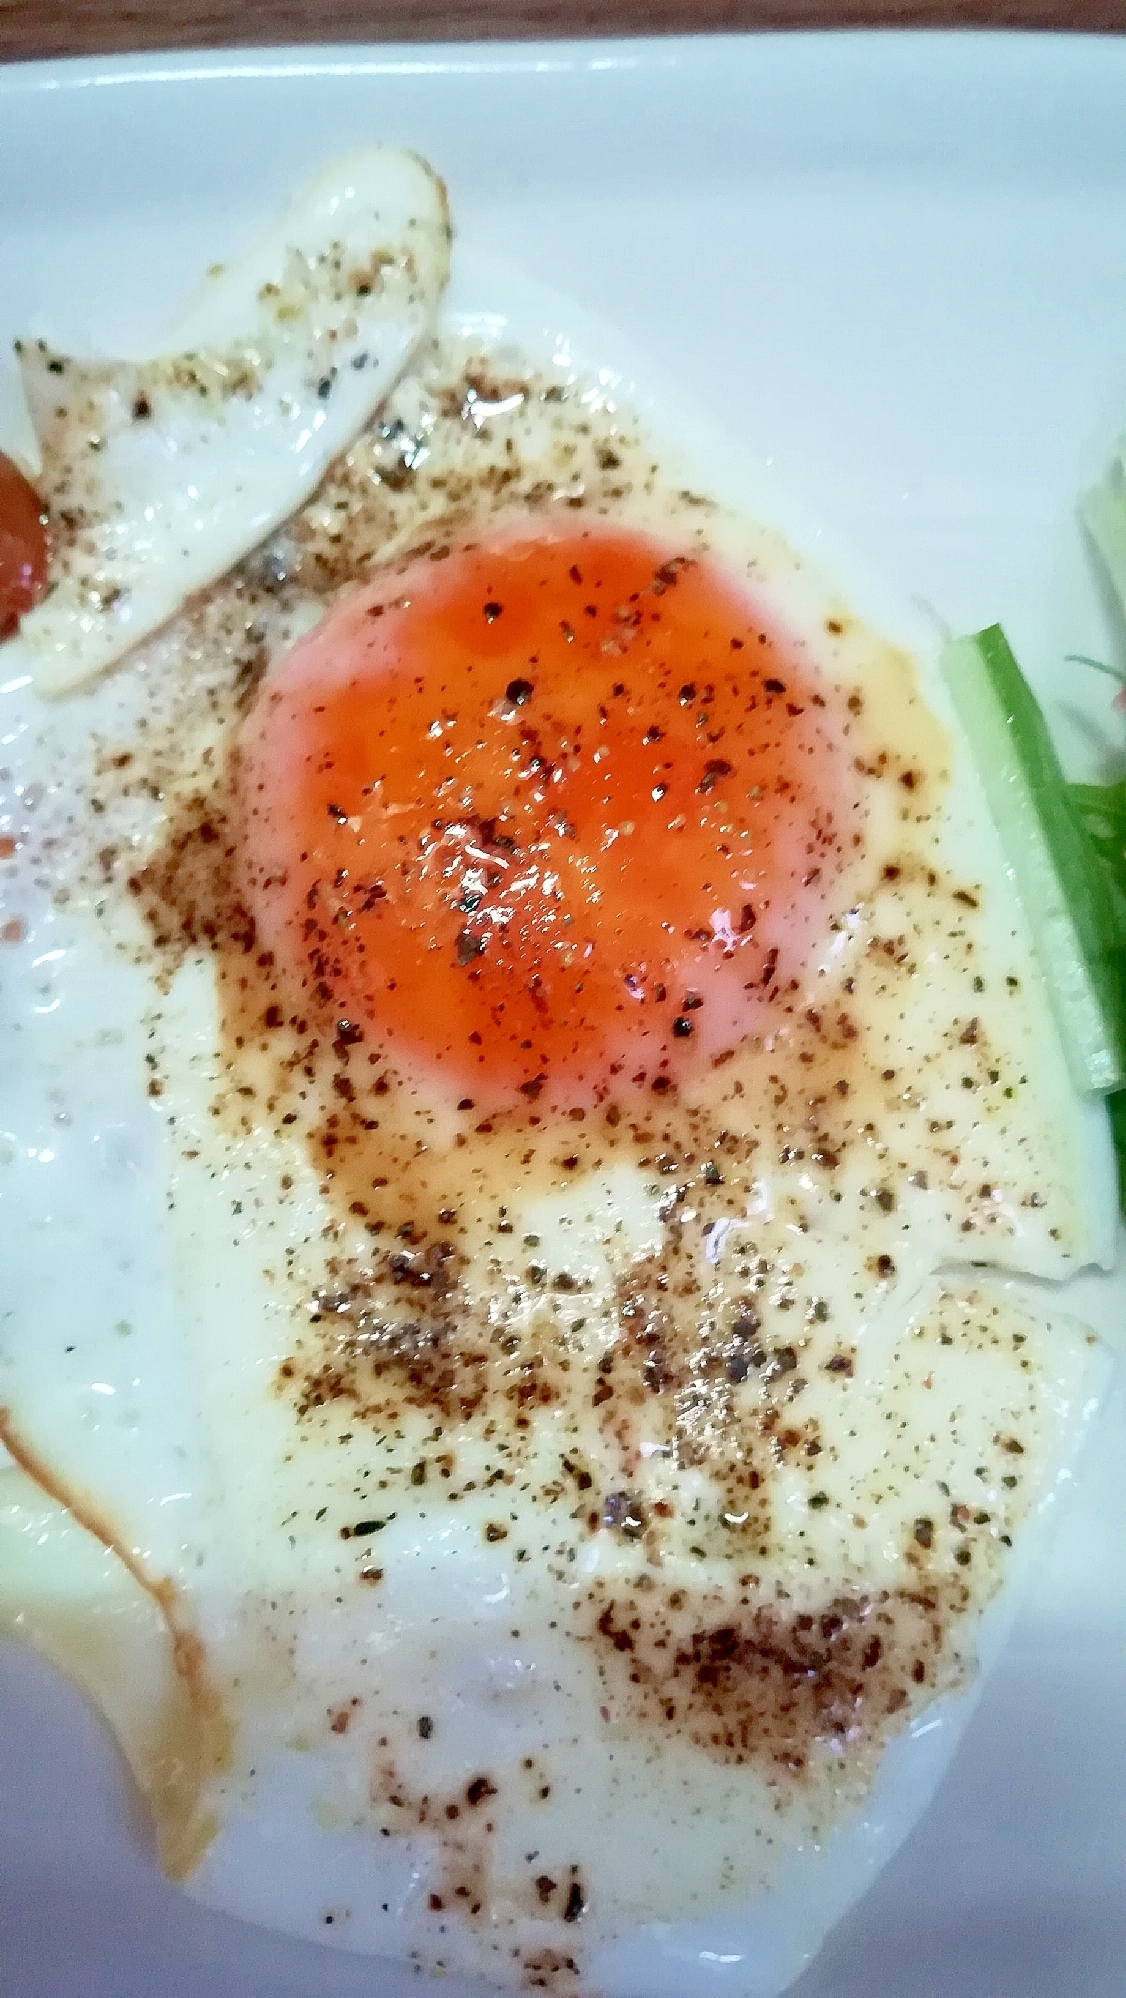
pixel 553 811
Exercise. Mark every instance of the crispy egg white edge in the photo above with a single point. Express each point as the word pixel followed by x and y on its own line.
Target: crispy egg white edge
pixel 531 322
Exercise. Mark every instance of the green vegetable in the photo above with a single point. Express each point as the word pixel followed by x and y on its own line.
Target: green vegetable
pixel 1116 1104
pixel 1102 808
pixel 1103 513
pixel 1065 846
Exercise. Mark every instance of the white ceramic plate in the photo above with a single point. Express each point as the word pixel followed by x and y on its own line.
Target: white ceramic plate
pixel 896 267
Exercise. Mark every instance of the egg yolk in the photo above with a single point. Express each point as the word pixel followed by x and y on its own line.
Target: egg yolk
pixel 23 547
pixel 543 813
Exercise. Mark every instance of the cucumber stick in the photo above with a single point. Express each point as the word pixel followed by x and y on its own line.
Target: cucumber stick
pixel 1076 926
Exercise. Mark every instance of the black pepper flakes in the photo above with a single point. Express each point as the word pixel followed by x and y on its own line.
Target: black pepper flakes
pixel 714 769
pixel 363 1529
pixel 468 947
pixel 576 1903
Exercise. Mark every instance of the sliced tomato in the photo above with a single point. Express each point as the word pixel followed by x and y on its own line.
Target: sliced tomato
pixel 23 547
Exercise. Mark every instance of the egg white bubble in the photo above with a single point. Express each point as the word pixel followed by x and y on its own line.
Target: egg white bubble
pixel 132 1223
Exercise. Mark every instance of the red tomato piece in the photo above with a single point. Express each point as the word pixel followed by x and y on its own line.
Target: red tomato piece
pixel 23 547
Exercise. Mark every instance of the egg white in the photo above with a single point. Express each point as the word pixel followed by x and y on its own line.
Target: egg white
pixel 183 461
pixel 165 1409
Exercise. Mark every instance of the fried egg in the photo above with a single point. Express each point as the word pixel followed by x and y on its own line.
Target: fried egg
pixel 530 1097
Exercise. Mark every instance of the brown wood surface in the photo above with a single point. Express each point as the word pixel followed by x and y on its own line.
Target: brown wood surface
pixel 89 27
